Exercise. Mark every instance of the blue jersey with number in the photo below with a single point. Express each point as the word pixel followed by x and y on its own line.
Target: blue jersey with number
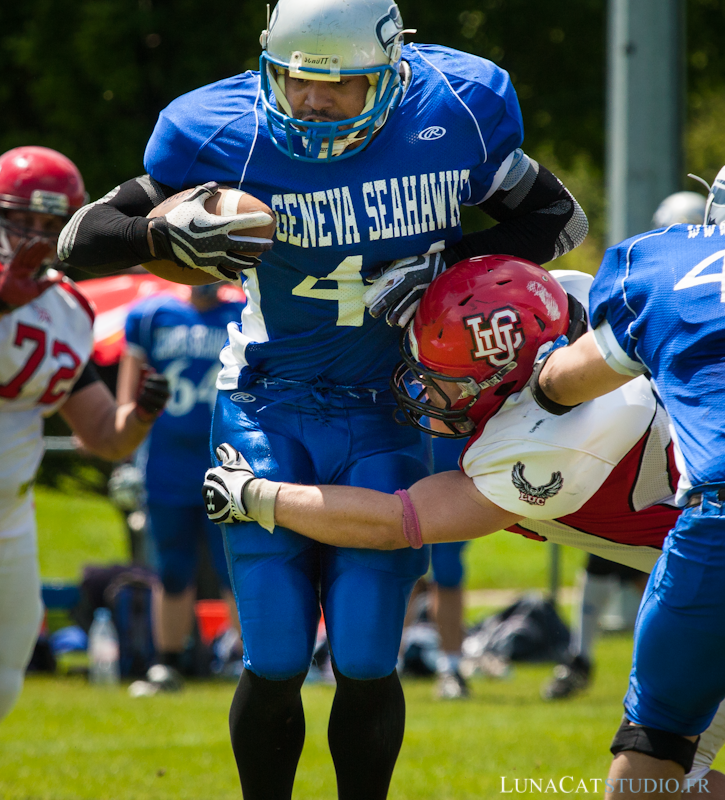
pixel 183 343
pixel 339 223
pixel 659 303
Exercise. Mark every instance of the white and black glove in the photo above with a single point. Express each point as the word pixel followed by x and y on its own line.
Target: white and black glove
pixel 224 486
pixel 192 237
pixel 233 493
pixel 397 292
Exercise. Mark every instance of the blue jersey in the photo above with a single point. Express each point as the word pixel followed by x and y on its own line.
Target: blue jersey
pixel 183 343
pixel 339 223
pixel 658 305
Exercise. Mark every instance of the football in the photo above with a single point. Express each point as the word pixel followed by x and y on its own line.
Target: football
pixel 225 202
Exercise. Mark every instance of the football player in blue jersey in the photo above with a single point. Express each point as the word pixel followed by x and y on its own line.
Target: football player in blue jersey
pixel 365 149
pixel 657 307
pixel 180 340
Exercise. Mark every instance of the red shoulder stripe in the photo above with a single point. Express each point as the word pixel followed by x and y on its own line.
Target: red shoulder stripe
pixel 85 303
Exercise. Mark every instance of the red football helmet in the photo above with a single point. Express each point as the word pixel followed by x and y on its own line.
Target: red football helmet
pixel 475 336
pixel 36 180
pixel 40 179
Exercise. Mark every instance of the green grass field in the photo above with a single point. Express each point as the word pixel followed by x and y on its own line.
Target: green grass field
pixel 67 740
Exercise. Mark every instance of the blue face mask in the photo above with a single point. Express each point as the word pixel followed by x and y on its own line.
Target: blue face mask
pixel 314 141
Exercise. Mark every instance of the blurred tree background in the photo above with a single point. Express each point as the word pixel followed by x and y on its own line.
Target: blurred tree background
pixel 88 77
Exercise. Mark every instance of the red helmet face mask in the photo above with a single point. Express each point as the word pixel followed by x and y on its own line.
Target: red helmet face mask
pixel 474 340
pixel 36 180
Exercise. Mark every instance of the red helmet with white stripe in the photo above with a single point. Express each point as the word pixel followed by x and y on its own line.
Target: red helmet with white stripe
pixel 42 180
pixel 474 340
pixel 40 189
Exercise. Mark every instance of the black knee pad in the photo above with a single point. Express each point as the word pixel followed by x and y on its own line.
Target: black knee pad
pixel 655 743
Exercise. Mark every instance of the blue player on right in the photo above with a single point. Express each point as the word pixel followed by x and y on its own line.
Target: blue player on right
pixel 658 307
pixel 365 149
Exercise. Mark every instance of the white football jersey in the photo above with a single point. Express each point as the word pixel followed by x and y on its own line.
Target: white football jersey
pixel 600 478
pixel 45 346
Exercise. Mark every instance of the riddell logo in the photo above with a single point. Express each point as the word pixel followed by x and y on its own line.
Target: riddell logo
pixel 498 343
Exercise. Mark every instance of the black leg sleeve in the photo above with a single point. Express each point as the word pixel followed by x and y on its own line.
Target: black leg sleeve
pixel 365 735
pixel 267 725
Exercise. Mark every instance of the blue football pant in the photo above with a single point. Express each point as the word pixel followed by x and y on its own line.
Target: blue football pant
pixel 176 532
pixel 280 580
pixel 677 678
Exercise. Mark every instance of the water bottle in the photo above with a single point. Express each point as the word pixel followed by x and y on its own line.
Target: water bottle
pixel 103 666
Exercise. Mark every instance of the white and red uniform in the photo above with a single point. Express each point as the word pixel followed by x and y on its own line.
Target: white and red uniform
pixel 45 346
pixel 600 478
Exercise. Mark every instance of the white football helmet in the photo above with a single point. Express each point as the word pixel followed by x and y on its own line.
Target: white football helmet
pixel 324 40
pixel 680 207
pixel 715 208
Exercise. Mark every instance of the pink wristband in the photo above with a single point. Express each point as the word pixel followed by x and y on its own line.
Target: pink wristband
pixel 411 526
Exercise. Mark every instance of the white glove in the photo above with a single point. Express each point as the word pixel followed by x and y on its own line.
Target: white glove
pixel 192 237
pixel 233 493
pixel 397 292
pixel 223 488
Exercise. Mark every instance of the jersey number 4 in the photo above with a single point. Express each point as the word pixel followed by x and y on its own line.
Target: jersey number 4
pixel 347 295
pixel 29 333
pixel 694 278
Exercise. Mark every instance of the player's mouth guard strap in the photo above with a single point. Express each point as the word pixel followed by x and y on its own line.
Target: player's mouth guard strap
pixel 411 525
pixel 655 743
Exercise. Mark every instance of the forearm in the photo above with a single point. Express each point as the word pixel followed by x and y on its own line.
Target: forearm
pixel 538 219
pixel 106 429
pixel 578 373
pixel 128 432
pixel 115 433
pixel 112 233
pixel 342 515
pixel 448 506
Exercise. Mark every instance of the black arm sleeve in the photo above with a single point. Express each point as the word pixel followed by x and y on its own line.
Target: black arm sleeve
pixel 110 234
pixel 538 219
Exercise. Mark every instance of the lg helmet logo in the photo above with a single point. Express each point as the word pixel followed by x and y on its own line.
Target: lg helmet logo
pixel 434 132
pixel 500 341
